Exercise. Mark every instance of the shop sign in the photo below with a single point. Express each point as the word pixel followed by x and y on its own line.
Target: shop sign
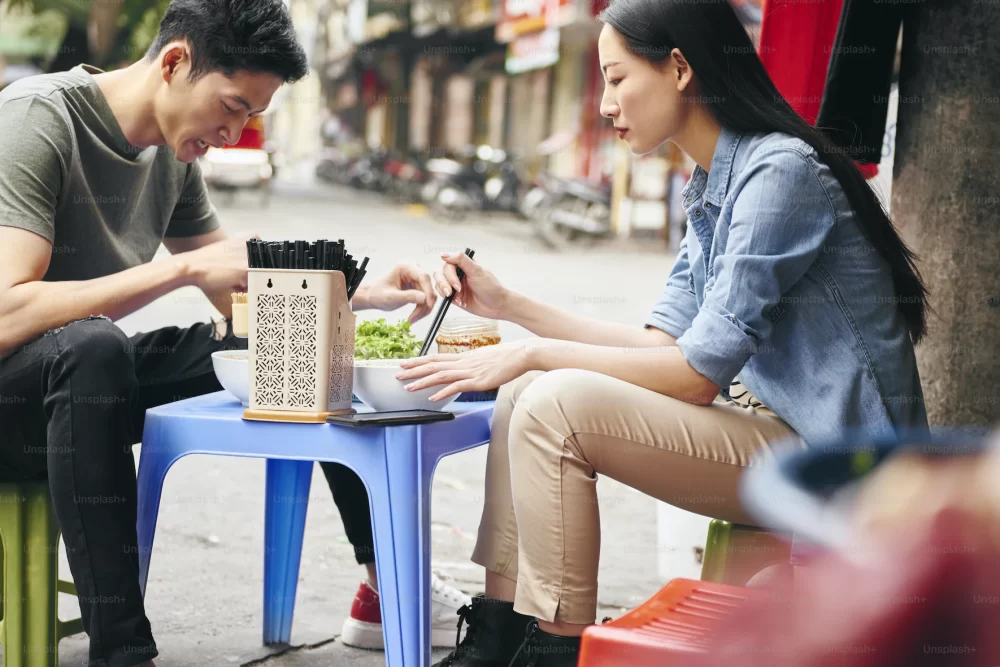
pixel 519 17
pixel 533 51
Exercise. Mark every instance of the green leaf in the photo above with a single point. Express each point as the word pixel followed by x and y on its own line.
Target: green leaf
pixel 377 339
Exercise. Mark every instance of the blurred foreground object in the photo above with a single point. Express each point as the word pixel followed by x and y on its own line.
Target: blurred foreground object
pixel 920 586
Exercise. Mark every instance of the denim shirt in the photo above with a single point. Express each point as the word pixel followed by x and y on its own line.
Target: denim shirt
pixel 775 282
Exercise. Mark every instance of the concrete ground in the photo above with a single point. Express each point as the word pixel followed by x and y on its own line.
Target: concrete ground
pixel 205 587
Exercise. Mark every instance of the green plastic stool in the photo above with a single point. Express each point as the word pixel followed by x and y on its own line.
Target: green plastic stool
pixel 735 552
pixel 30 629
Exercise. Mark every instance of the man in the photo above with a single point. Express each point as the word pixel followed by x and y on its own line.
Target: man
pixel 96 170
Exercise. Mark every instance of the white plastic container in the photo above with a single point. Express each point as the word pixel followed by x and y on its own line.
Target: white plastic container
pixel 301 344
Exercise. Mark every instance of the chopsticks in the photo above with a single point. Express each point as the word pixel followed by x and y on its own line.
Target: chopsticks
pixel 442 309
pixel 321 255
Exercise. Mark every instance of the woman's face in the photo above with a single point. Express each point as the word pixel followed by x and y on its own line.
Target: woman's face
pixel 644 101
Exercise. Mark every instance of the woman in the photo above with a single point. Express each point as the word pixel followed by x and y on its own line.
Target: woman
pixel 790 277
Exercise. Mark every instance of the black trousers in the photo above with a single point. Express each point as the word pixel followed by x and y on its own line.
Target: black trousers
pixel 72 404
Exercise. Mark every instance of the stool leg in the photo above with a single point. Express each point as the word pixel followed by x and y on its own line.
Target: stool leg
pixel 735 552
pixel 12 530
pixel 287 499
pixel 41 572
pixel 713 563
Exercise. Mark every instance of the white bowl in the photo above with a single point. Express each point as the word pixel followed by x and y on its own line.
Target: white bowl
pixel 232 367
pixel 375 383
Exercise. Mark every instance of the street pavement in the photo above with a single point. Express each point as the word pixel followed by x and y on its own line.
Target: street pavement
pixel 204 595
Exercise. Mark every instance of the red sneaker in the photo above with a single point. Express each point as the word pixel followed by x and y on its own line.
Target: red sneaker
pixel 363 628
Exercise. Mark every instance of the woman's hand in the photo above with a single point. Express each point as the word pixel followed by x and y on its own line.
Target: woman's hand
pixel 479 370
pixel 479 292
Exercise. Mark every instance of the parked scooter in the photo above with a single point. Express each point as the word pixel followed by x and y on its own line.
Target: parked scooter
pixel 565 210
pixel 333 165
pixel 369 172
pixel 407 175
pixel 489 181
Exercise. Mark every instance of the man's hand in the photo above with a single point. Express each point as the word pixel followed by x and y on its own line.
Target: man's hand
pixel 220 268
pixel 406 283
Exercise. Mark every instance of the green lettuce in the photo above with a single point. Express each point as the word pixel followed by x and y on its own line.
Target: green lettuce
pixel 377 339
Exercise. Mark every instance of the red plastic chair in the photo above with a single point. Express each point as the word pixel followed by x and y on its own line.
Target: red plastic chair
pixel 666 629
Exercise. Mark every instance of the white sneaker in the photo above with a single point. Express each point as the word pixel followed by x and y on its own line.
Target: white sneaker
pixel 363 628
pixel 445 603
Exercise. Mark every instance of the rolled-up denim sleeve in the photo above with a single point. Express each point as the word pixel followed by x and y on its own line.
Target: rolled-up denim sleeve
pixel 677 306
pixel 780 220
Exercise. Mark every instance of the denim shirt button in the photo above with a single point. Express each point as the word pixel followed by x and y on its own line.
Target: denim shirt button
pixel 697 213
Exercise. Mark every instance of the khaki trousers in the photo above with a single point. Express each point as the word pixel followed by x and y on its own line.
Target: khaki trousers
pixel 554 432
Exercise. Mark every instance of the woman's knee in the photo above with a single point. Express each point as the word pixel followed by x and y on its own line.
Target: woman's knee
pixel 510 393
pixel 558 394
pixel 551 410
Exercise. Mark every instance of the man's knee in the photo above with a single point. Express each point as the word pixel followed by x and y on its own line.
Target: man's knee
pixel 98 350
pixel 97 340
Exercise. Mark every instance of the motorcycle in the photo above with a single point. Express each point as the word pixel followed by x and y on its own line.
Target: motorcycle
pixel 488 181
pixel 407 175
pixel 369 172
pixel 565 210
pixel 333 166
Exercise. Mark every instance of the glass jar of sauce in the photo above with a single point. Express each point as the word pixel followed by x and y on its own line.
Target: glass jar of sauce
pixel 463 334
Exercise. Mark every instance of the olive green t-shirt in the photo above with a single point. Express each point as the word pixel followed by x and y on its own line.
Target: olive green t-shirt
pixel 68 174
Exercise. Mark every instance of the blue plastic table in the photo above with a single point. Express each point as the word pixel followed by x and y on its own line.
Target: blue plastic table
pixel 396 465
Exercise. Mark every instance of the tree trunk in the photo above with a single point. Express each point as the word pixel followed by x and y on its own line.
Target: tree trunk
pixel 946 200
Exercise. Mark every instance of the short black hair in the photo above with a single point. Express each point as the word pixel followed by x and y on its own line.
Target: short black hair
pixel 231 35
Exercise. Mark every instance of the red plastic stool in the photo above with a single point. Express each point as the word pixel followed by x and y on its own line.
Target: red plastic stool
pixel 666 629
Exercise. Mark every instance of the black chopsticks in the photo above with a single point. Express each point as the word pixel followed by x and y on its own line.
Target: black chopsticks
pixel 442 309
pixel 321 255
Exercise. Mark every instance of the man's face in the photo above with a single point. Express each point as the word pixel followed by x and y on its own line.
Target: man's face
pixel 211 111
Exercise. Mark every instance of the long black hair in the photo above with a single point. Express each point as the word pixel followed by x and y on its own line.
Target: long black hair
pixel 740 95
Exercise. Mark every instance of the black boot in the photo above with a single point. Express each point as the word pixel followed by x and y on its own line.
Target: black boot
pixel 494 634
pixel 541 649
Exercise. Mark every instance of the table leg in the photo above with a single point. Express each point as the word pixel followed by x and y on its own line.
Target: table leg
pixel 402 545
pixel 153 467
pixel 285 505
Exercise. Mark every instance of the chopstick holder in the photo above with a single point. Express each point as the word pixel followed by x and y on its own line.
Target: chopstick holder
pixel 301 345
